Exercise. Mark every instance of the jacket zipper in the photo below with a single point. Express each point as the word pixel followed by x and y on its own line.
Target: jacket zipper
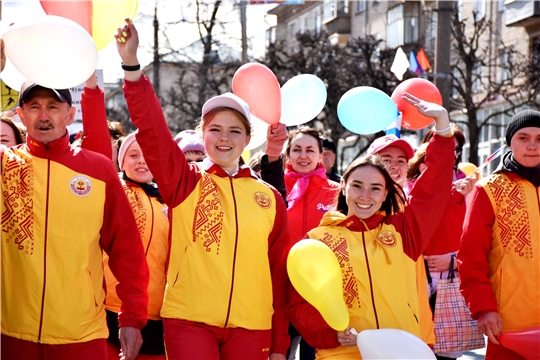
pixel 152 228
pixel 370 282
pixel 45 249
pixel 234 254
pixel 304 218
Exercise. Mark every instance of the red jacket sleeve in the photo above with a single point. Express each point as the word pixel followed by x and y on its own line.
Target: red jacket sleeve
pixel 121 241
pixel 473 255
pixel 175 177
pixel 278 243
pixel 96 130
pixel 310 323
pixel 421 216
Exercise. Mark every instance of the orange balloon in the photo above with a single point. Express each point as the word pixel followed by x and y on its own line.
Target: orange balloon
pixel 258 86
pixel 425 90
pixel 467 167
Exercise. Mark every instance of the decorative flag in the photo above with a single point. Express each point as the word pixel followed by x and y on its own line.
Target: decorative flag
pixel 423 60
pixel 400 64
pixel 395 127
pixel 490 158
pixel 414 67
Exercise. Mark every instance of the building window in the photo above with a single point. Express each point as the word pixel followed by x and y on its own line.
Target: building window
pixel 292 30
pixel 360 5
pixel 318 22
pixel 394 27
pixel 410 24
pixel 479 8
pixel 330 9
pixel 506 59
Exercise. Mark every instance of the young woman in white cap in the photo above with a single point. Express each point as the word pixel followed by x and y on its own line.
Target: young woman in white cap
pixel 226 277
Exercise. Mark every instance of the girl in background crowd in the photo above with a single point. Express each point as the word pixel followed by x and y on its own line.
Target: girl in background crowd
pixel 10 135
pixel 150 214
pixel 151 217
pixel 191 144
pixel 377 239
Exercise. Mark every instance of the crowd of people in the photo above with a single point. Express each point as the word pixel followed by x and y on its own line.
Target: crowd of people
pixel 149 246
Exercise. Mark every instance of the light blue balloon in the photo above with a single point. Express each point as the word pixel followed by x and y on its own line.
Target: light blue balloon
pixel 302 98
pixel 366 110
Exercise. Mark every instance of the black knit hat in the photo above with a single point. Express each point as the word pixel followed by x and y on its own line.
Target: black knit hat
pixel 329 144
pixel 523 119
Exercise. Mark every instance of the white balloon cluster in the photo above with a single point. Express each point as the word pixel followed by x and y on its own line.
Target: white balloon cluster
pixel 52 51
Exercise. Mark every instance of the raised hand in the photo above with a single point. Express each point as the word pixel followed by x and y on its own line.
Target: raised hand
pixel 465 186
pixel 431 110
pixel 276 136
pixel 127 42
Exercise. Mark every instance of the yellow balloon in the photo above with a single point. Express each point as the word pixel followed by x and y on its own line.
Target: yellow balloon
pixel 467 168
pixel 315 273
pixel 108 16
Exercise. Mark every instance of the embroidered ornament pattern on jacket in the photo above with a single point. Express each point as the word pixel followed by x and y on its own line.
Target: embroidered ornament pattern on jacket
pixel 208 221
pixel 18 217
pixel 338 245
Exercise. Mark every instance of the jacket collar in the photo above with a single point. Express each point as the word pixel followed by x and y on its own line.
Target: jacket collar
pixel 55 147
pixel 244 171
pixel 355 224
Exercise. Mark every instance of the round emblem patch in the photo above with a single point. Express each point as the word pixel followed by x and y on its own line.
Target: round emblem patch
pixel 80 185
pixel 387 238
pixel 262 199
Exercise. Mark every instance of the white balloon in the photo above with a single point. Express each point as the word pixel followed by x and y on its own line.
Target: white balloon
pixel 52 51
pixel 12 77
pixel 392 344
pixel 302 98
pixel 258 133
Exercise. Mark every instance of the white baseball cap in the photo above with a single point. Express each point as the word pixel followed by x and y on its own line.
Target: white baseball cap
pixel 228 100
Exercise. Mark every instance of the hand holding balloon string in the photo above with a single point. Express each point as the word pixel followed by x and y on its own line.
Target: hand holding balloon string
pixel 276 136
pixel 347 337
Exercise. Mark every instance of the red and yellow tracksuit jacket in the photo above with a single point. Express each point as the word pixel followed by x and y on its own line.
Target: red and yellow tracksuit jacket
pixel 376 257
pixel 228 236
pixel 60 208
pixel 499 257
pixel 151 218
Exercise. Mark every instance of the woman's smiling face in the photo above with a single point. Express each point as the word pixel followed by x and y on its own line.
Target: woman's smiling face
pixel 365 191
pixel 304 153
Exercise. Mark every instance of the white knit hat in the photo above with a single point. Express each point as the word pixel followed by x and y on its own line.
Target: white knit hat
pixel 128 140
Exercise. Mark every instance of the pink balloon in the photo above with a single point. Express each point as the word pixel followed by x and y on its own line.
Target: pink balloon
pixel 525 342
pixel 258 86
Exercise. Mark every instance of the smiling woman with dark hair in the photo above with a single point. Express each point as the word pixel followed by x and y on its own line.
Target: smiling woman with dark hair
pixel 377 238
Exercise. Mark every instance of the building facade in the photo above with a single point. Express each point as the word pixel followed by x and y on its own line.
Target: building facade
pixel 516 23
